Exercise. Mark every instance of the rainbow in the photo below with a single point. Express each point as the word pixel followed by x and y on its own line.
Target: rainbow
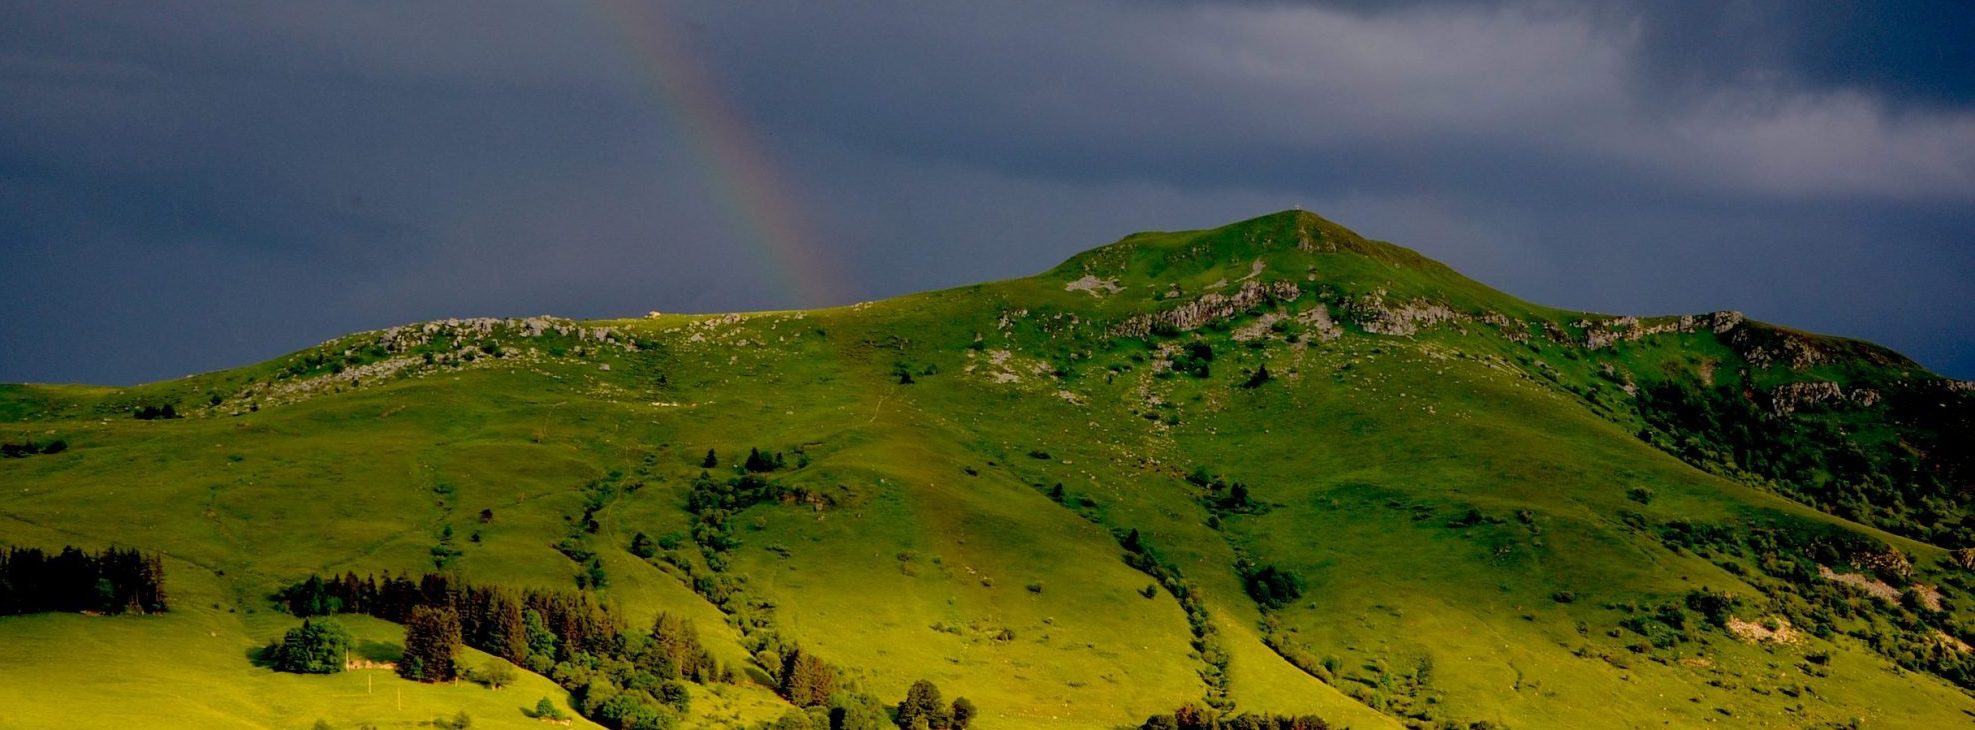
pixel 745 179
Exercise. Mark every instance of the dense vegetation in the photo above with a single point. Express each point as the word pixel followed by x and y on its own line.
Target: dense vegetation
pixel 617 677
pixel 1916 487
pixel 112 581
pixel 1193 717
pixel 1828 582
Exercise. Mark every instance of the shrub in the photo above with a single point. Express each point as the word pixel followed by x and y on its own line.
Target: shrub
pixel 675 695
pixel 497 674
pixel 1274 587
pixel 794 720
pixel 857 711
pixel 963 713
pixel 643 546
pixel 1713 605
pixel 153 413
pixel 1260 376
pixel 315 647
pixel 1194 360
pixel 545 709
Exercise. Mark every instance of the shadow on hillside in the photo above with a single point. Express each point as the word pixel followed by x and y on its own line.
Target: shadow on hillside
pixel 261 656
pixel 378 651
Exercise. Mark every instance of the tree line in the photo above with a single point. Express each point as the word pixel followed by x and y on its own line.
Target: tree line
pixel 1195 717
pixel 619 678
pixel 1143 557
pixel 536 628
pixel 632 680
pixel 113 581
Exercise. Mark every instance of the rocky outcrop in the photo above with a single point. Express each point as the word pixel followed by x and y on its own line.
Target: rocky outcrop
pixel 1622 378
pixel 1097 287
pixel 404 338
pixel 1963 557
pixel 1889 562
pixel 1317 320
pixel 1871 585
pixel 1207 308
pixel 1763 349
pixel 1787 399
pixel 383 355
pixel 1404 318
pixel 1257 329
pixel 1605 333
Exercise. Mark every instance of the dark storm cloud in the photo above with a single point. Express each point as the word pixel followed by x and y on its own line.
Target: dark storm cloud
pixel 1913 52
pixel 201 186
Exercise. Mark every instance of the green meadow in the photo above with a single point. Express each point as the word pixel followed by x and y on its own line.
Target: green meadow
pixel 1470 499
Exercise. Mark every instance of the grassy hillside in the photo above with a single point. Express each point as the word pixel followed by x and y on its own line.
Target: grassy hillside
pixel 1271 467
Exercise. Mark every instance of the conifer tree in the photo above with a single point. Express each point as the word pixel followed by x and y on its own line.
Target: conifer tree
pixel 507 634
pixel 432 641
pixel 807 681
pixel 643 546
pixel 678 641
pixel 757 463
pixel 922 704
pixel 1256 380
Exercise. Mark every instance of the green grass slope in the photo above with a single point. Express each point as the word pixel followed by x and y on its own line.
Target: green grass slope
pixel 1489 505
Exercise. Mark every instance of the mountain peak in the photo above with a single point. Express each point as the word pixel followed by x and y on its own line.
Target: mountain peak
pixel 1276 240
pixel 1285 247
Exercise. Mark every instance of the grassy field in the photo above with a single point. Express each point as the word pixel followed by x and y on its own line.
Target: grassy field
pixel 1434 468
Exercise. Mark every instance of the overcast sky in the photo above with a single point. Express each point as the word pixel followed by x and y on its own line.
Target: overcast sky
pixel 191 186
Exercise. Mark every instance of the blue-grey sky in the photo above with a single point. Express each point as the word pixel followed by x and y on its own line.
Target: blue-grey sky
pixel 197 185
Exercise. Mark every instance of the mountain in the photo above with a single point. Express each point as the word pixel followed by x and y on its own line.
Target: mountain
pixel 1268 468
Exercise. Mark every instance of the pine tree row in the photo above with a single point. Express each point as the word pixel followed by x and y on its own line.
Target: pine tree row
pixel 113 581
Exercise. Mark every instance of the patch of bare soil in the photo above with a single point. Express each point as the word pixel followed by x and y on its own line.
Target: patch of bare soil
pixel 1758 632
